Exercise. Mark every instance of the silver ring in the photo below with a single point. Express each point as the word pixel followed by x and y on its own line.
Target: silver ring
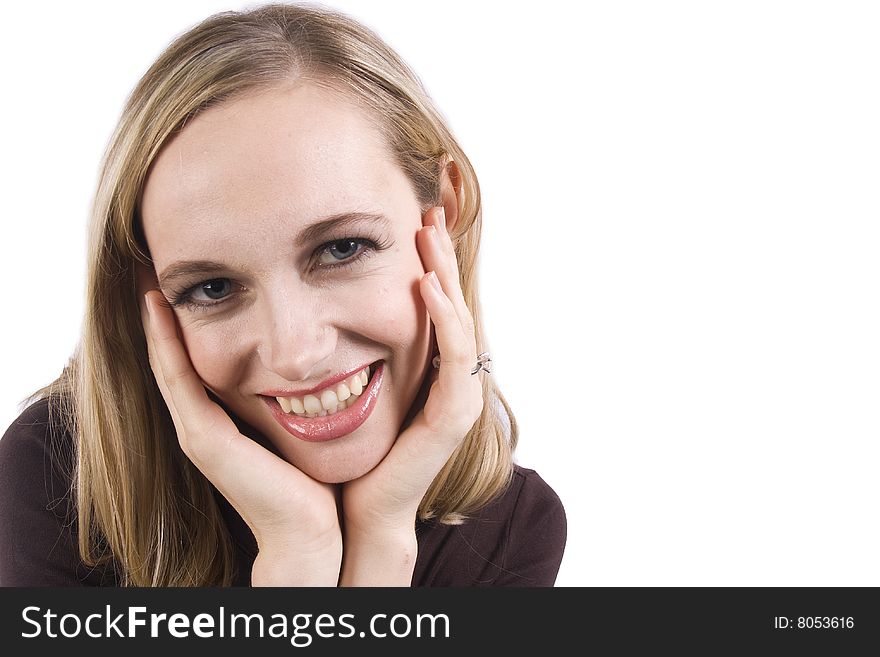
pixel 483 361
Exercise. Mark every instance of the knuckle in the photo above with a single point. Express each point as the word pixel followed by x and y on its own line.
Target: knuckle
pixel 177 377
pixel 448 308
pixel 468 324
pixel 458 356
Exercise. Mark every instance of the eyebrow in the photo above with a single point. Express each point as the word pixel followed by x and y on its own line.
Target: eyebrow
pixel 319 230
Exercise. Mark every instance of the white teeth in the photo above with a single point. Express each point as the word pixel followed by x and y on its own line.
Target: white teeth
pixel 312 404
pixel 330 400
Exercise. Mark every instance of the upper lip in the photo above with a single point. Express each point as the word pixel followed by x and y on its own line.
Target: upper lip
pixel 336 378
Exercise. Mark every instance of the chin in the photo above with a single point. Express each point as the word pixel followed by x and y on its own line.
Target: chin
pixel 337 477
pixel 338 473
pixel 342 460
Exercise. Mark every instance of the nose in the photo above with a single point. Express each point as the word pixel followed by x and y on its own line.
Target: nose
pixel 298 337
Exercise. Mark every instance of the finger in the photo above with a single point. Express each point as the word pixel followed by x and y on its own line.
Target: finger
pixel 446 265
pixel 180 385
pixel 456 393
pixel 438 255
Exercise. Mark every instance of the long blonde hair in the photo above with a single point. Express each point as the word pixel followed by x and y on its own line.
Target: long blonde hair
pixel 140 501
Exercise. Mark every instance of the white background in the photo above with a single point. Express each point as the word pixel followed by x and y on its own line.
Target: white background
pixel 680 259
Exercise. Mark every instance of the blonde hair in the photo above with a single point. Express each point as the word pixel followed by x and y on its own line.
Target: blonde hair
pixel 140 501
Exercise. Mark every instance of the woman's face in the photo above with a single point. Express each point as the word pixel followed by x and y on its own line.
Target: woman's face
pixel 302 229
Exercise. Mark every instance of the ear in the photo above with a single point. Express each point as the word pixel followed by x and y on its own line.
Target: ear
pixel 450 192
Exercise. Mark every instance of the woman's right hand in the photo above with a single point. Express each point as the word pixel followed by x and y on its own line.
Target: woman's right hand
pixel 293 517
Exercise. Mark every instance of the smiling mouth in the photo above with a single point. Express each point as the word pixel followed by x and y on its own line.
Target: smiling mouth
pixel 333 399
pixel 318 425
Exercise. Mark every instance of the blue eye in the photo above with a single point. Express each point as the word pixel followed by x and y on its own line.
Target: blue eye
pixel 339 251
pixel 214 290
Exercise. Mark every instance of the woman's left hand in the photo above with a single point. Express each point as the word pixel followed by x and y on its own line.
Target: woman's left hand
pixel 379 509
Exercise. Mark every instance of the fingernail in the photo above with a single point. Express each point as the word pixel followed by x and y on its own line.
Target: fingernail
pixel 147 304
pixel 435 282
pixel 441 216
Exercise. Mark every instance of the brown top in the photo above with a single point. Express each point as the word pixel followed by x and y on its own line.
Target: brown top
pixel 518 540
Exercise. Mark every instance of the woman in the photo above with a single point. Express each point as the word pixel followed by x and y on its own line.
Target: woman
pixel 281 378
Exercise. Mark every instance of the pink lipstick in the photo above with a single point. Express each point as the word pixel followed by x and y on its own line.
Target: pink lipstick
pixel 335 425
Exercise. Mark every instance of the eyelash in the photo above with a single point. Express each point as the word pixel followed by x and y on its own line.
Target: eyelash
pixel 183 298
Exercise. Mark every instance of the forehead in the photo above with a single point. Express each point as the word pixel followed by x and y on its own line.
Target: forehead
pixel 294 153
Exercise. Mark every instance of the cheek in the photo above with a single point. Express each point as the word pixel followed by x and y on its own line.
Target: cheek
pixel 215 351
pixel 395 312
pixel 400 305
